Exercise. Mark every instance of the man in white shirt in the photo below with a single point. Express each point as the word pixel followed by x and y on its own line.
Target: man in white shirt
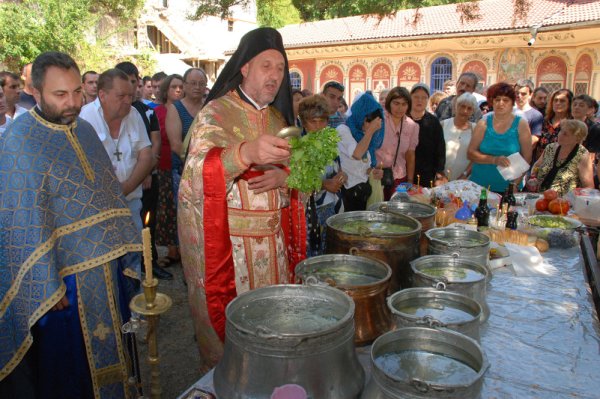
pixel 123 135
pixel 12 88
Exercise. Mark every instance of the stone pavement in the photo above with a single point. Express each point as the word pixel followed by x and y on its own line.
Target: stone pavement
pixel 179 357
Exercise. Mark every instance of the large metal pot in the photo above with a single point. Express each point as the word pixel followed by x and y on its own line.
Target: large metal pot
pixel 455 274
pixel 417 362
pixel 428 307
pixel 396 248
pixel 469 244
pixel 365 280
pixel 289 334
pixel 424 213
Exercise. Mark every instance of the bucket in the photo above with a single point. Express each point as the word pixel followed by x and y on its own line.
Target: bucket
pixel 469 244
pixel 418 362
pixel 424 213
pixel 393 239
pixel 455 274
pixel 289 334
pixel 365 280
pixel 428 307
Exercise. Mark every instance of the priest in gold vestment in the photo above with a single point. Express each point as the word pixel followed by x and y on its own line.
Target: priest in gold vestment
pixel 240 228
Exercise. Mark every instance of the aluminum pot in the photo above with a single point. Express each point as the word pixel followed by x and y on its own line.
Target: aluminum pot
pixel 396 248
pixel 289 334
pixel 418 362
pixel 455 274
pixel 428 307
pixel 469 244
pixel 424 213
pixel 365 280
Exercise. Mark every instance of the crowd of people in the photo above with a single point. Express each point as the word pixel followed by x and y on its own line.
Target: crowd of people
pixel 85 157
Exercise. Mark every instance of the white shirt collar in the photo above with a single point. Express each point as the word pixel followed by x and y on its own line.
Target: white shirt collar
pixel 258 107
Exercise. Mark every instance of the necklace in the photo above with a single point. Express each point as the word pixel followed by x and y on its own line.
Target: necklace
pixel 117 153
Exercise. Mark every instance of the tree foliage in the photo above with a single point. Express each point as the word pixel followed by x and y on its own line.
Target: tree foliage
pixel 314 10
pixel 276 13
pixel 30 27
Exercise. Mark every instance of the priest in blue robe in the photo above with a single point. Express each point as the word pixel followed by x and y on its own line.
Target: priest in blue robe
pixel 67 241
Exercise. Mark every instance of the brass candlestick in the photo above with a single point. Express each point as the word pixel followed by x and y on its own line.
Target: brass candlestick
pixel 152 304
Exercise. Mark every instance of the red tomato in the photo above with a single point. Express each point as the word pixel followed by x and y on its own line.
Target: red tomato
pixel 559 206
pixel 541 205
pixel 550 195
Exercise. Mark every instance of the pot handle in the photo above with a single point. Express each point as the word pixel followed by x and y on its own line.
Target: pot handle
pixel 265 332
pixel 440 285
pixel 354 251
pixel 455 254
pixel 420 386
pixel 431 322
pixel 313 280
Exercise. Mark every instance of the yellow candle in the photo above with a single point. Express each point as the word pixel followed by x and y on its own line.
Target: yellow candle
pixel 147 243
pixel 418 180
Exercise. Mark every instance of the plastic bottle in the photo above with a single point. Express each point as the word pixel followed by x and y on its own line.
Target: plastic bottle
pixel 401 194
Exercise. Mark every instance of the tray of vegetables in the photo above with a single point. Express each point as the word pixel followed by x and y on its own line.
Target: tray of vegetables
pixel 558 231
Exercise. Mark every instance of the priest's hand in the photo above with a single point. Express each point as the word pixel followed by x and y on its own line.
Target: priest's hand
pixel 63 303
pixel 272 178
pixel 265 150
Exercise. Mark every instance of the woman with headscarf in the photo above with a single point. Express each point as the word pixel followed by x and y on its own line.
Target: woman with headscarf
pixel 361 135
pixel 237 230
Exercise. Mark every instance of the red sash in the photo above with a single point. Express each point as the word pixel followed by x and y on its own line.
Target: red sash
pixel 219 278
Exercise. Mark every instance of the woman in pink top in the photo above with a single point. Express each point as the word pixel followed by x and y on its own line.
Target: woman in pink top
pixel 400 140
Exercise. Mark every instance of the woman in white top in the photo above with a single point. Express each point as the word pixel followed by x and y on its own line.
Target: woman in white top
pixel 360 135
pixel 457 134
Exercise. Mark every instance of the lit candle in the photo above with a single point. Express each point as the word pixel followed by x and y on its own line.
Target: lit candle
pixel 418 180
pixel 147 242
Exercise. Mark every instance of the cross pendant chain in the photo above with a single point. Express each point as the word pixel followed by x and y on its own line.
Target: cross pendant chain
pixel 118 154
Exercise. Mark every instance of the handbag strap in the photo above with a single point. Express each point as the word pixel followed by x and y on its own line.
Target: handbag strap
pixel 556 168
pixel 398 145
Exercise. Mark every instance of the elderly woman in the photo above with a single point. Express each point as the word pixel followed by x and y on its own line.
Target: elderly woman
pixel 496 136
pixel 313 112
pixel 457 135
pixel 400 140
pixel 566 164
pixel 361 135
pixel 430 154
pixel 558 108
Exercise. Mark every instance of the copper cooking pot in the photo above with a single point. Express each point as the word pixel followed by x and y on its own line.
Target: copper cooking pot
pixel 365 280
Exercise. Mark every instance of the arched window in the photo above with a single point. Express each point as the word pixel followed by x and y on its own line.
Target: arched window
pixel 296 80
pixel 552 73
pixel 583 74
pixel 441 71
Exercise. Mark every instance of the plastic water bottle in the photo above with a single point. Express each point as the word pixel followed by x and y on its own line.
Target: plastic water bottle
pixel 401 194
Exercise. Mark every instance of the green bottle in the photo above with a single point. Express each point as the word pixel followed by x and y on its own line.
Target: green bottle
pixel 482 213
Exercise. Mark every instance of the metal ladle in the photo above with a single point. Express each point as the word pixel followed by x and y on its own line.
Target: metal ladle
pixel 290 131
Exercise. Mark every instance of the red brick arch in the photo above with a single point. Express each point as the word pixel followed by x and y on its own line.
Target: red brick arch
pixel 409 73
pixel 552 72
pixel 358 81
pixel 478 68
pixel 331 72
